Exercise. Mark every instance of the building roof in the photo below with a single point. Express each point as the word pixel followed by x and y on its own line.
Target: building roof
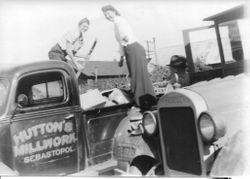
pixel 104 68
pixel 237 12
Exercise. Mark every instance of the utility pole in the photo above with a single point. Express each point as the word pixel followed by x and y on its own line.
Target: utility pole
pixel 150 52
pixel 96 74
pixel 156 54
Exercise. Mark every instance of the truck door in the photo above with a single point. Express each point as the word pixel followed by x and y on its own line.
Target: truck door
pixel 43 130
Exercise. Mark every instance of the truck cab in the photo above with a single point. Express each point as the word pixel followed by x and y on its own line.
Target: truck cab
pixel 44 130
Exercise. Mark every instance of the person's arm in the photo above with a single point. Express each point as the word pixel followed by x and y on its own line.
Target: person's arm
pixel 121 50
pixel 87 56
pixel 184 79
pixel 120 64
pixel 124 30
pixel 174 80
pixel 181 80
pixel 73 43
pixel 69 50
pixel 176 83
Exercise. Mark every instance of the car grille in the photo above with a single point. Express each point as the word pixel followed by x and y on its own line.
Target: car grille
pixel 180 139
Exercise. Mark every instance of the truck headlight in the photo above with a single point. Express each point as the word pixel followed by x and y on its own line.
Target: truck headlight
pixel 149 122
pixel 210 129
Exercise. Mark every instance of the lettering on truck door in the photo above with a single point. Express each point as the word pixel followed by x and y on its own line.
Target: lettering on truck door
pixel 43 131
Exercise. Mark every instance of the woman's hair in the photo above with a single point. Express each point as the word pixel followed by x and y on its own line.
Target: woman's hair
pixel 84 20
pixel 110 8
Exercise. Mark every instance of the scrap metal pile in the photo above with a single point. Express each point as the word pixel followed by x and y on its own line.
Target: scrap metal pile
pixel 93 98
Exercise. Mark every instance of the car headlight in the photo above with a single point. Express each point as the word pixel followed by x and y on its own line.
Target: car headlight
pixel 210 129
pixel 149 122
pixel 207 127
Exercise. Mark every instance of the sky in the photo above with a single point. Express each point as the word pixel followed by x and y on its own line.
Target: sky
pixel 30 28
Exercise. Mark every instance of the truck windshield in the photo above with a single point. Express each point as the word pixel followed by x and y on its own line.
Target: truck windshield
pixel 3 94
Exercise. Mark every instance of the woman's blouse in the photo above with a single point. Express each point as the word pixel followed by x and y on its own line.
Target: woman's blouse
pixel 123 33
pixel 74 37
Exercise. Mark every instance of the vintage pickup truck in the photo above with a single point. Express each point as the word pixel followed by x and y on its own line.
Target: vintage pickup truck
pixel 44 130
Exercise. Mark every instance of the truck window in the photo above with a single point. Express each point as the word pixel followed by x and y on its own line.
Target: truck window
pixel 43 89
pixel 47 90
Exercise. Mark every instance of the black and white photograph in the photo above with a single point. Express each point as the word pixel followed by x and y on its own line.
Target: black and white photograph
pixel 122 88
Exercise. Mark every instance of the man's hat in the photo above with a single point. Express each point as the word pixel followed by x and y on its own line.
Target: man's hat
pixel 178 61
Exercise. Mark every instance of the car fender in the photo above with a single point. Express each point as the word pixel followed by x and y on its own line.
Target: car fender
pixel 126 146
pixel 233 158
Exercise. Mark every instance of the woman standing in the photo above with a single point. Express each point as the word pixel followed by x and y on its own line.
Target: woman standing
pixel 135 55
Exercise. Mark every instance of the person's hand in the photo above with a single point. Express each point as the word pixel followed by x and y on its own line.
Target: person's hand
pixel 125 39
pixel 87 57
pixel 177 85
pixel 120 64
pixel 82 57
pixel 172 81
pixel 78 65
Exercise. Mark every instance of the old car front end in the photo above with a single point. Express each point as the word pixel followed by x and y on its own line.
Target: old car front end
pixel 196 124
pixel 187 132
